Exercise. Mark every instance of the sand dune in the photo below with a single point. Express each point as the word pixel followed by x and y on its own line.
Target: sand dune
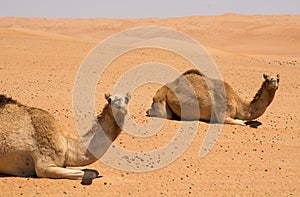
pixel 276 34
pixel 39 60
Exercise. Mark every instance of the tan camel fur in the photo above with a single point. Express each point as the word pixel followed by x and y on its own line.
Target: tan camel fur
pixel 192 91
pixel 32 142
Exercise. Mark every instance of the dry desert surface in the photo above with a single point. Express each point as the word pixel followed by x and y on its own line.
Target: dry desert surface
pixel 39 60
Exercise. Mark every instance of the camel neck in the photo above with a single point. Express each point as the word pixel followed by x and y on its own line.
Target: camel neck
pixel 96 141
pixel 261 101
pixel 255 108
pixel 89 148
pixel 110 123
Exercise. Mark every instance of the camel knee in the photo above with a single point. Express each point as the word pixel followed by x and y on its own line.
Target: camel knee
pixel 41 172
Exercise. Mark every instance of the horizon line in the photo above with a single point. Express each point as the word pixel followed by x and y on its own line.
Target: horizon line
pixel 187 16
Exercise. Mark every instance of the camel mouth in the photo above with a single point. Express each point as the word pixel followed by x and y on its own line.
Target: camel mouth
pixel 148 113
pixel 120 110
pixel 152 113
pixel 275 86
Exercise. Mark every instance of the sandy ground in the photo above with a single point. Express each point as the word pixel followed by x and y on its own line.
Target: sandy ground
pixel 39 60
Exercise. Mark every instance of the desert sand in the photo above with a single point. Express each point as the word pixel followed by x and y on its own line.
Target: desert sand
pixel 39 60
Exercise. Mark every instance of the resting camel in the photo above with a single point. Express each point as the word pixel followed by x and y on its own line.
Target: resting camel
pixel 193 90
pixel 32 142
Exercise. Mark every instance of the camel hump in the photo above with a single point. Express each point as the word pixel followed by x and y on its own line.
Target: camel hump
pixel 4 100
pixel 193 71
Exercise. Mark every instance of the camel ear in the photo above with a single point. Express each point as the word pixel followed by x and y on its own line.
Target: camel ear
pixel 265 76
pixel 278 77
pixel 107 97
pixel 127 97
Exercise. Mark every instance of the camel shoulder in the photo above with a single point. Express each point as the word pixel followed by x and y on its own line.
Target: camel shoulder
pixel 42 118
pixel 49 132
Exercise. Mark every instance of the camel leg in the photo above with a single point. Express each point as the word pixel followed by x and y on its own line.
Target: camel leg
pixel 88 173
pixel 76 168
pixel 59 173
pixel 168 112
pixel 46 169
pixel 235 121
pixel 64 173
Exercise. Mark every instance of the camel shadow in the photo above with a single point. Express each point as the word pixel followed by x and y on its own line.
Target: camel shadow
pixel 89 173
pixel 9 175
pixel 85 180
pixel 254 124
pixel 5 175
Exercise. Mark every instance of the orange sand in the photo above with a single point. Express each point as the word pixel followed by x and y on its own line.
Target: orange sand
pixel 39 59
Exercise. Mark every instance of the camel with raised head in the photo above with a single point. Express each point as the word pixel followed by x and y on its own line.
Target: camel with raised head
pixel 193 96
pixel 32 142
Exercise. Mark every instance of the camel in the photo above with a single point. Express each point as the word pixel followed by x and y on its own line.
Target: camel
pixel 32 142
pixel 193 90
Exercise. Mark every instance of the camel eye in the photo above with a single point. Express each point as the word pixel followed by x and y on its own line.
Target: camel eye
pixel 126 100
pixel 277 80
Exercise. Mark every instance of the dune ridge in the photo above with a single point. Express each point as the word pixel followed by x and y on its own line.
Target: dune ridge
pixel 258 34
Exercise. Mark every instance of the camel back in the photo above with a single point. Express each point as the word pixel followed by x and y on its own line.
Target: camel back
pixel 193 71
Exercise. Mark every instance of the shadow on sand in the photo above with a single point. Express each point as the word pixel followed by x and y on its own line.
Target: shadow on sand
pixel 254 124
pixel 84 181
pixel 88 173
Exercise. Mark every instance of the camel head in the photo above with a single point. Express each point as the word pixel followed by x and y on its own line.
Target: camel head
pixel 118 104
pixel 271 82
pixel 156 110
pixel 159 105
